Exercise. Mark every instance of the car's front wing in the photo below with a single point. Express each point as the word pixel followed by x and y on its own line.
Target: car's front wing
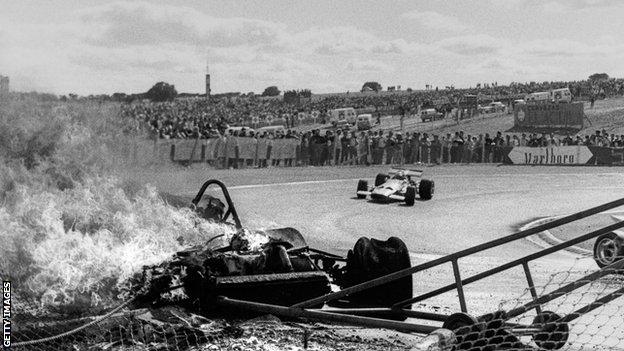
pixel 392 197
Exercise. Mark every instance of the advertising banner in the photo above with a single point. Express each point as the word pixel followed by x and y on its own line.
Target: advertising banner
pixel 553 155
pixel 549 115
pixel 284 148
pixel 184 149
pixel 211 149
pixel 247 148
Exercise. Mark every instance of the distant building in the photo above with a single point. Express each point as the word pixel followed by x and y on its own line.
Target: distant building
pixel 4 85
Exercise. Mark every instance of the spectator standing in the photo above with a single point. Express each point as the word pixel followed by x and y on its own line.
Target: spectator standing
pixel 337 153
pixel 398 148
pixel 415 148
pixel 390 144
pixel 407 148
pixel 362 149
pixel 381 147
pixel 353 149
pixel 436 150
pixel 305 149
pixel 487 148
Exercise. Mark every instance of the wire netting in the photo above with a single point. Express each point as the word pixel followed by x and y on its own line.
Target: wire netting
pixel 574 310
pixel 579 309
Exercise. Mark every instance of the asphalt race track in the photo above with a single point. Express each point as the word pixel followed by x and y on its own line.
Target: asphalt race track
pixel 471 205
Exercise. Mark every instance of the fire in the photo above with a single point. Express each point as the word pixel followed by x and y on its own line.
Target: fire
pixel 80 246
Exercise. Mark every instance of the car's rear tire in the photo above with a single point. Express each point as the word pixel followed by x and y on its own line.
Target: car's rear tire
pixel 370 259
pixel 410 196
pixel 380 179
pixel 608 249
pixel 553 334
pixel 362 186
pixel 426 189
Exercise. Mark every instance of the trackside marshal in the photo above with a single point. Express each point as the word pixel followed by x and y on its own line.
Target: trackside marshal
pixel 552 155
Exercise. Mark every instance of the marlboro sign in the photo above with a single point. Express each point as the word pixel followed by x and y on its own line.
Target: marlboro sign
pixel 554 155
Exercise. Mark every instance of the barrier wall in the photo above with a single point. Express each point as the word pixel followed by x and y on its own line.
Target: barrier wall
pixel 556 155
pixel 250 151
pixel 239 148
pixel 564 155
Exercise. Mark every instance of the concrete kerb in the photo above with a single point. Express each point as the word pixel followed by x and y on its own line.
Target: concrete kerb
pixel 439 340
pixel 545 239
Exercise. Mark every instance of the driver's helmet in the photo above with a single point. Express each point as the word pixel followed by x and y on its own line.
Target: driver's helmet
pixel 400 175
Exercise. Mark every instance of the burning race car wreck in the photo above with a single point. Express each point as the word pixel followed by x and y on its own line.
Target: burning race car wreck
pixel 275 272
pixel 274 266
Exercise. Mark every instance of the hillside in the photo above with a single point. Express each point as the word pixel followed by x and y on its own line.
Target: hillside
pixel 607 114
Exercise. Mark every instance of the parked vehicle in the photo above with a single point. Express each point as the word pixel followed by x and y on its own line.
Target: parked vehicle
pixel 364 121
pixel 272 129
pixel 555 95
pixel 561 95
pixel 430 114
pixel 238 130
pixel 498 106
pixel 348 113
pixel 538 97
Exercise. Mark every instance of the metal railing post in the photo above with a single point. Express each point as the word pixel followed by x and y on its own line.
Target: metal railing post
pixel 460 287
pixel 529 278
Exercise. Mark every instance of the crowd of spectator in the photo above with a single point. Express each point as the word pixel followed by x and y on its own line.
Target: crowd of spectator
pixel 205 118
pixel 344 147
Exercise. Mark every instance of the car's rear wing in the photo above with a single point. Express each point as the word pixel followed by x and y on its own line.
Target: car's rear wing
pixel 408 172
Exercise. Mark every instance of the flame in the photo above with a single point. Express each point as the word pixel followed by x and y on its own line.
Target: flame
pixel 81 245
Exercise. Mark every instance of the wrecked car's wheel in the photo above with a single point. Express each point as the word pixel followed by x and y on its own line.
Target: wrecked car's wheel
pixel 410 196
pixel 370 259
pixel 459 320
pixel 362 186
pixel 553 334
pixel 608 249
pixel 426 189
pixel 380 179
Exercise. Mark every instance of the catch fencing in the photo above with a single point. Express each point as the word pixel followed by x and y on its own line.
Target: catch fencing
pixel 592 319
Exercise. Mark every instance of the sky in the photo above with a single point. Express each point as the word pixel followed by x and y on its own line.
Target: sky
pixel 96 47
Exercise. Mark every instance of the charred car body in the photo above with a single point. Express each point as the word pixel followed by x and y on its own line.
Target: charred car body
pixel 398 185
pixel 273 266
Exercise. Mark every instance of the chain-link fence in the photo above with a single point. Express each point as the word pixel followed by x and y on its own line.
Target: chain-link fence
pixel 568 312
pixel 576 309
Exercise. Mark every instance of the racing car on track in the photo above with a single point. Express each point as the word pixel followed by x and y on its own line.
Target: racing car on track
pixel 397 185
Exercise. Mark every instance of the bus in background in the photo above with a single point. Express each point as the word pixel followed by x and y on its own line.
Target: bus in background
pixel 339 114
pixel 539 97
pixel 555 95
pixel 561 95
pixel 364 121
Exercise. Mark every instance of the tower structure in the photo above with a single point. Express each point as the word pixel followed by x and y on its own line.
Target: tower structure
pixel 207 82
pixel 4 85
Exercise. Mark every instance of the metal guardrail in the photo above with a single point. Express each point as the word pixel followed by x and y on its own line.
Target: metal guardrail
pixel 541 330
pixel 453 258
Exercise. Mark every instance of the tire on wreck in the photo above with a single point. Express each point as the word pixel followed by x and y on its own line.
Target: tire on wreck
pixel 370 259
pixel 608 249
pixel 410 196
pixel 362 186
pixel 426 189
